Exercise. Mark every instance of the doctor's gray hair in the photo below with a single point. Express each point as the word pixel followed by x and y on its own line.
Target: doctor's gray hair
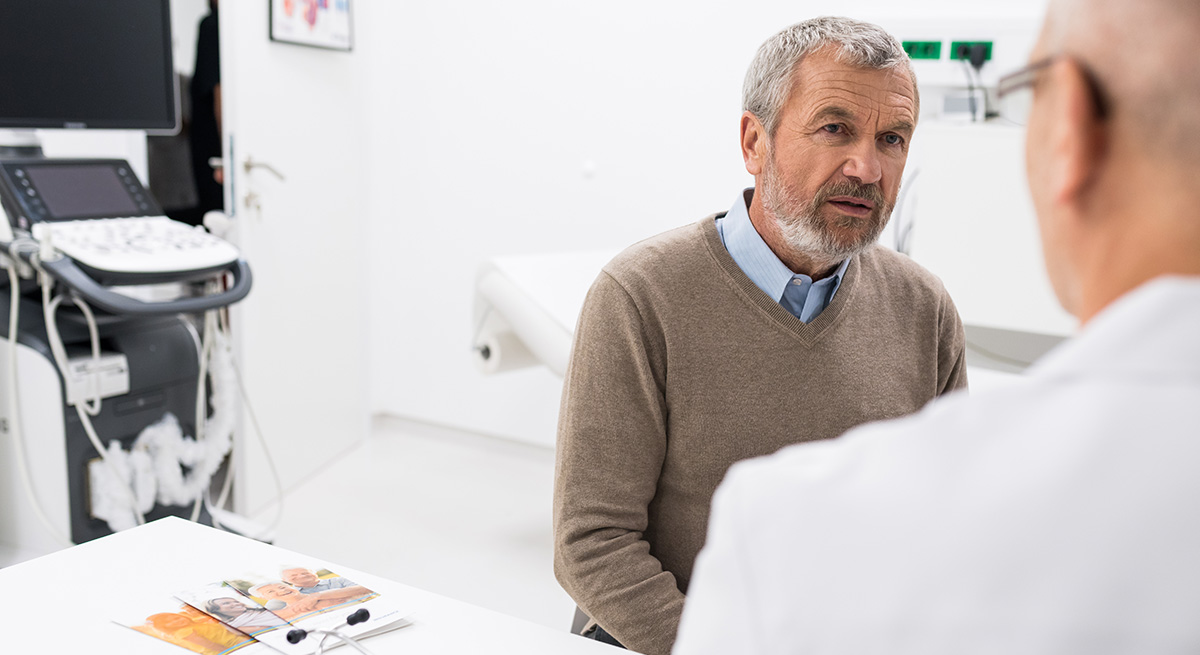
pixel 770 79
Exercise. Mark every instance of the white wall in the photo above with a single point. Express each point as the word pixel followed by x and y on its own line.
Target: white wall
pixel 538 126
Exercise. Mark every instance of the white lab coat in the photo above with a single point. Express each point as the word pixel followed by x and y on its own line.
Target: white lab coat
pixel 1061 515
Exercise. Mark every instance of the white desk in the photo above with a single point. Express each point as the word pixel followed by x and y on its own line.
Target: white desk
pixel 64 603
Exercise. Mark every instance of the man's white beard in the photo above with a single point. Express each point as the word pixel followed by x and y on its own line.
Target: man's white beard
pixel 806 232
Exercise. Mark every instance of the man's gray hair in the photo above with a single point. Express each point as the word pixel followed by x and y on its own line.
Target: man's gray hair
pixel 771 76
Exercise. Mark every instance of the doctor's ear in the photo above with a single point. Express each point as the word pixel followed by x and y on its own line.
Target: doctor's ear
pixel 754 143
pixel 1078 137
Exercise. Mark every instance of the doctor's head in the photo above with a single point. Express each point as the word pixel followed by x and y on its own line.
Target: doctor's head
pixel 829 107
pixel 1113 145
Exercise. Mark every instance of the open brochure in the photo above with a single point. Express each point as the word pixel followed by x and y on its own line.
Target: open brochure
pixel 183 625
pixel 254 613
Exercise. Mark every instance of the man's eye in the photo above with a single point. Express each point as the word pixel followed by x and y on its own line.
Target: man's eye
pixel 833 128
pixel 893 139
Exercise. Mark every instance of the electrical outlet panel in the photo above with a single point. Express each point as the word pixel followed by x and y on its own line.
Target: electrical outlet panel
pixel 923 49
pixel 962 49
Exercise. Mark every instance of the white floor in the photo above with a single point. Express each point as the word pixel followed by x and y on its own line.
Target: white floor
pixel 462 515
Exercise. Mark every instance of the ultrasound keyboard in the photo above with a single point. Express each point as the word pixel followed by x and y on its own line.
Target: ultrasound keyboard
pixel 139 244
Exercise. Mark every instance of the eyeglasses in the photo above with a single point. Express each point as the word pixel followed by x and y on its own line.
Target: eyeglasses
pixel 1015 91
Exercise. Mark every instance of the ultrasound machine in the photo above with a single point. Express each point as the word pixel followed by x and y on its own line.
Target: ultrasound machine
pixel 112 410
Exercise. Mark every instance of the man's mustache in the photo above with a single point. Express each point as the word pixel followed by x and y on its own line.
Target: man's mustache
pixel 869 192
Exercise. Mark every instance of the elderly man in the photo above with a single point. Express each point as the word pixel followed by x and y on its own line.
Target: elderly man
pixel 776 322
pixel 1059 516
pixel 336 587
pixel 295 603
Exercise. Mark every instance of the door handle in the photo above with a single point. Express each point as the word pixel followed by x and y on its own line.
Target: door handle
pixel 250 165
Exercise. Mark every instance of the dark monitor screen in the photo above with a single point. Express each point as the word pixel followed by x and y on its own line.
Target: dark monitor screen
pixel 81 191
pixel 86 63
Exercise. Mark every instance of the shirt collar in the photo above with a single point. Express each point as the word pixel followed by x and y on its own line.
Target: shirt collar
pixel 754 256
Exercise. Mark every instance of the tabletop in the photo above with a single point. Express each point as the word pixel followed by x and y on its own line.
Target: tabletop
pixel 72 601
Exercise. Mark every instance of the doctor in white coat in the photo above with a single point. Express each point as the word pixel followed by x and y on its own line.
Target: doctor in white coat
pixel 1058 516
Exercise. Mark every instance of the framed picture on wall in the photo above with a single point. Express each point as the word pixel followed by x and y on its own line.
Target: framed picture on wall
pixel 317 23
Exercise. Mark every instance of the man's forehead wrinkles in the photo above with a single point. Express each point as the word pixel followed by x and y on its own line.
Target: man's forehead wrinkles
pixel 841 106
pixel 823 94
pixel 884 86
pixel 854 91
pixel 868 94
pixel 864 85
pixel 820 99
pixel 871 95
pixel 855 76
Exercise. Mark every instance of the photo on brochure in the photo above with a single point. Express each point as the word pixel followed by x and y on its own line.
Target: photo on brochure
pixel 229 606
pixel 313 598
pixel 185 626
pixel 295 593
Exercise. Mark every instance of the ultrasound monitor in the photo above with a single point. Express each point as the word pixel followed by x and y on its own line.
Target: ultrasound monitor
pixel 87 64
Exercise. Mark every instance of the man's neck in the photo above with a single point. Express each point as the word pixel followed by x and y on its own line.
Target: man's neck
pixel 1136 238
pixel 815 267
pixel 1117 270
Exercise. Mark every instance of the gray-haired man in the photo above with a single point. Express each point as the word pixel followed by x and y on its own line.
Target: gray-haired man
pixel 1060 516
pixel 776 322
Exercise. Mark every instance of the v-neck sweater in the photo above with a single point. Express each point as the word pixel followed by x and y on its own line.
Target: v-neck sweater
pixel 682 366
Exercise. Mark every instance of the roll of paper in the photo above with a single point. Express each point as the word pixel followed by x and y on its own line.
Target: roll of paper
pixel 502 351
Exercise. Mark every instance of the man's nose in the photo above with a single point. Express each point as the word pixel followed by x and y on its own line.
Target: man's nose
pixel 863 163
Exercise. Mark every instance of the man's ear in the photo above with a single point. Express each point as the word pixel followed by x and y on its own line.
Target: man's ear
pixel 754 144
pixel 1078 135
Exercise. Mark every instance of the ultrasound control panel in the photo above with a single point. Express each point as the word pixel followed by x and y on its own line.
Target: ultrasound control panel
pixel 47 190
pixel 97 212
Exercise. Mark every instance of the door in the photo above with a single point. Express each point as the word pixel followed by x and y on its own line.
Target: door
pixel 301 334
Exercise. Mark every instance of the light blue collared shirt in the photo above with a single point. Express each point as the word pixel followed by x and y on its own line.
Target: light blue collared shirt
pixel 796 292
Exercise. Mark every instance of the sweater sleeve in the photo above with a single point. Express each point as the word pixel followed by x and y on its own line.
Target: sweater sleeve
pixel 952 348
pixel 611 447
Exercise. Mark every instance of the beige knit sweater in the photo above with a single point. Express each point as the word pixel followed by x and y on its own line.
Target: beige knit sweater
pixel 681 366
